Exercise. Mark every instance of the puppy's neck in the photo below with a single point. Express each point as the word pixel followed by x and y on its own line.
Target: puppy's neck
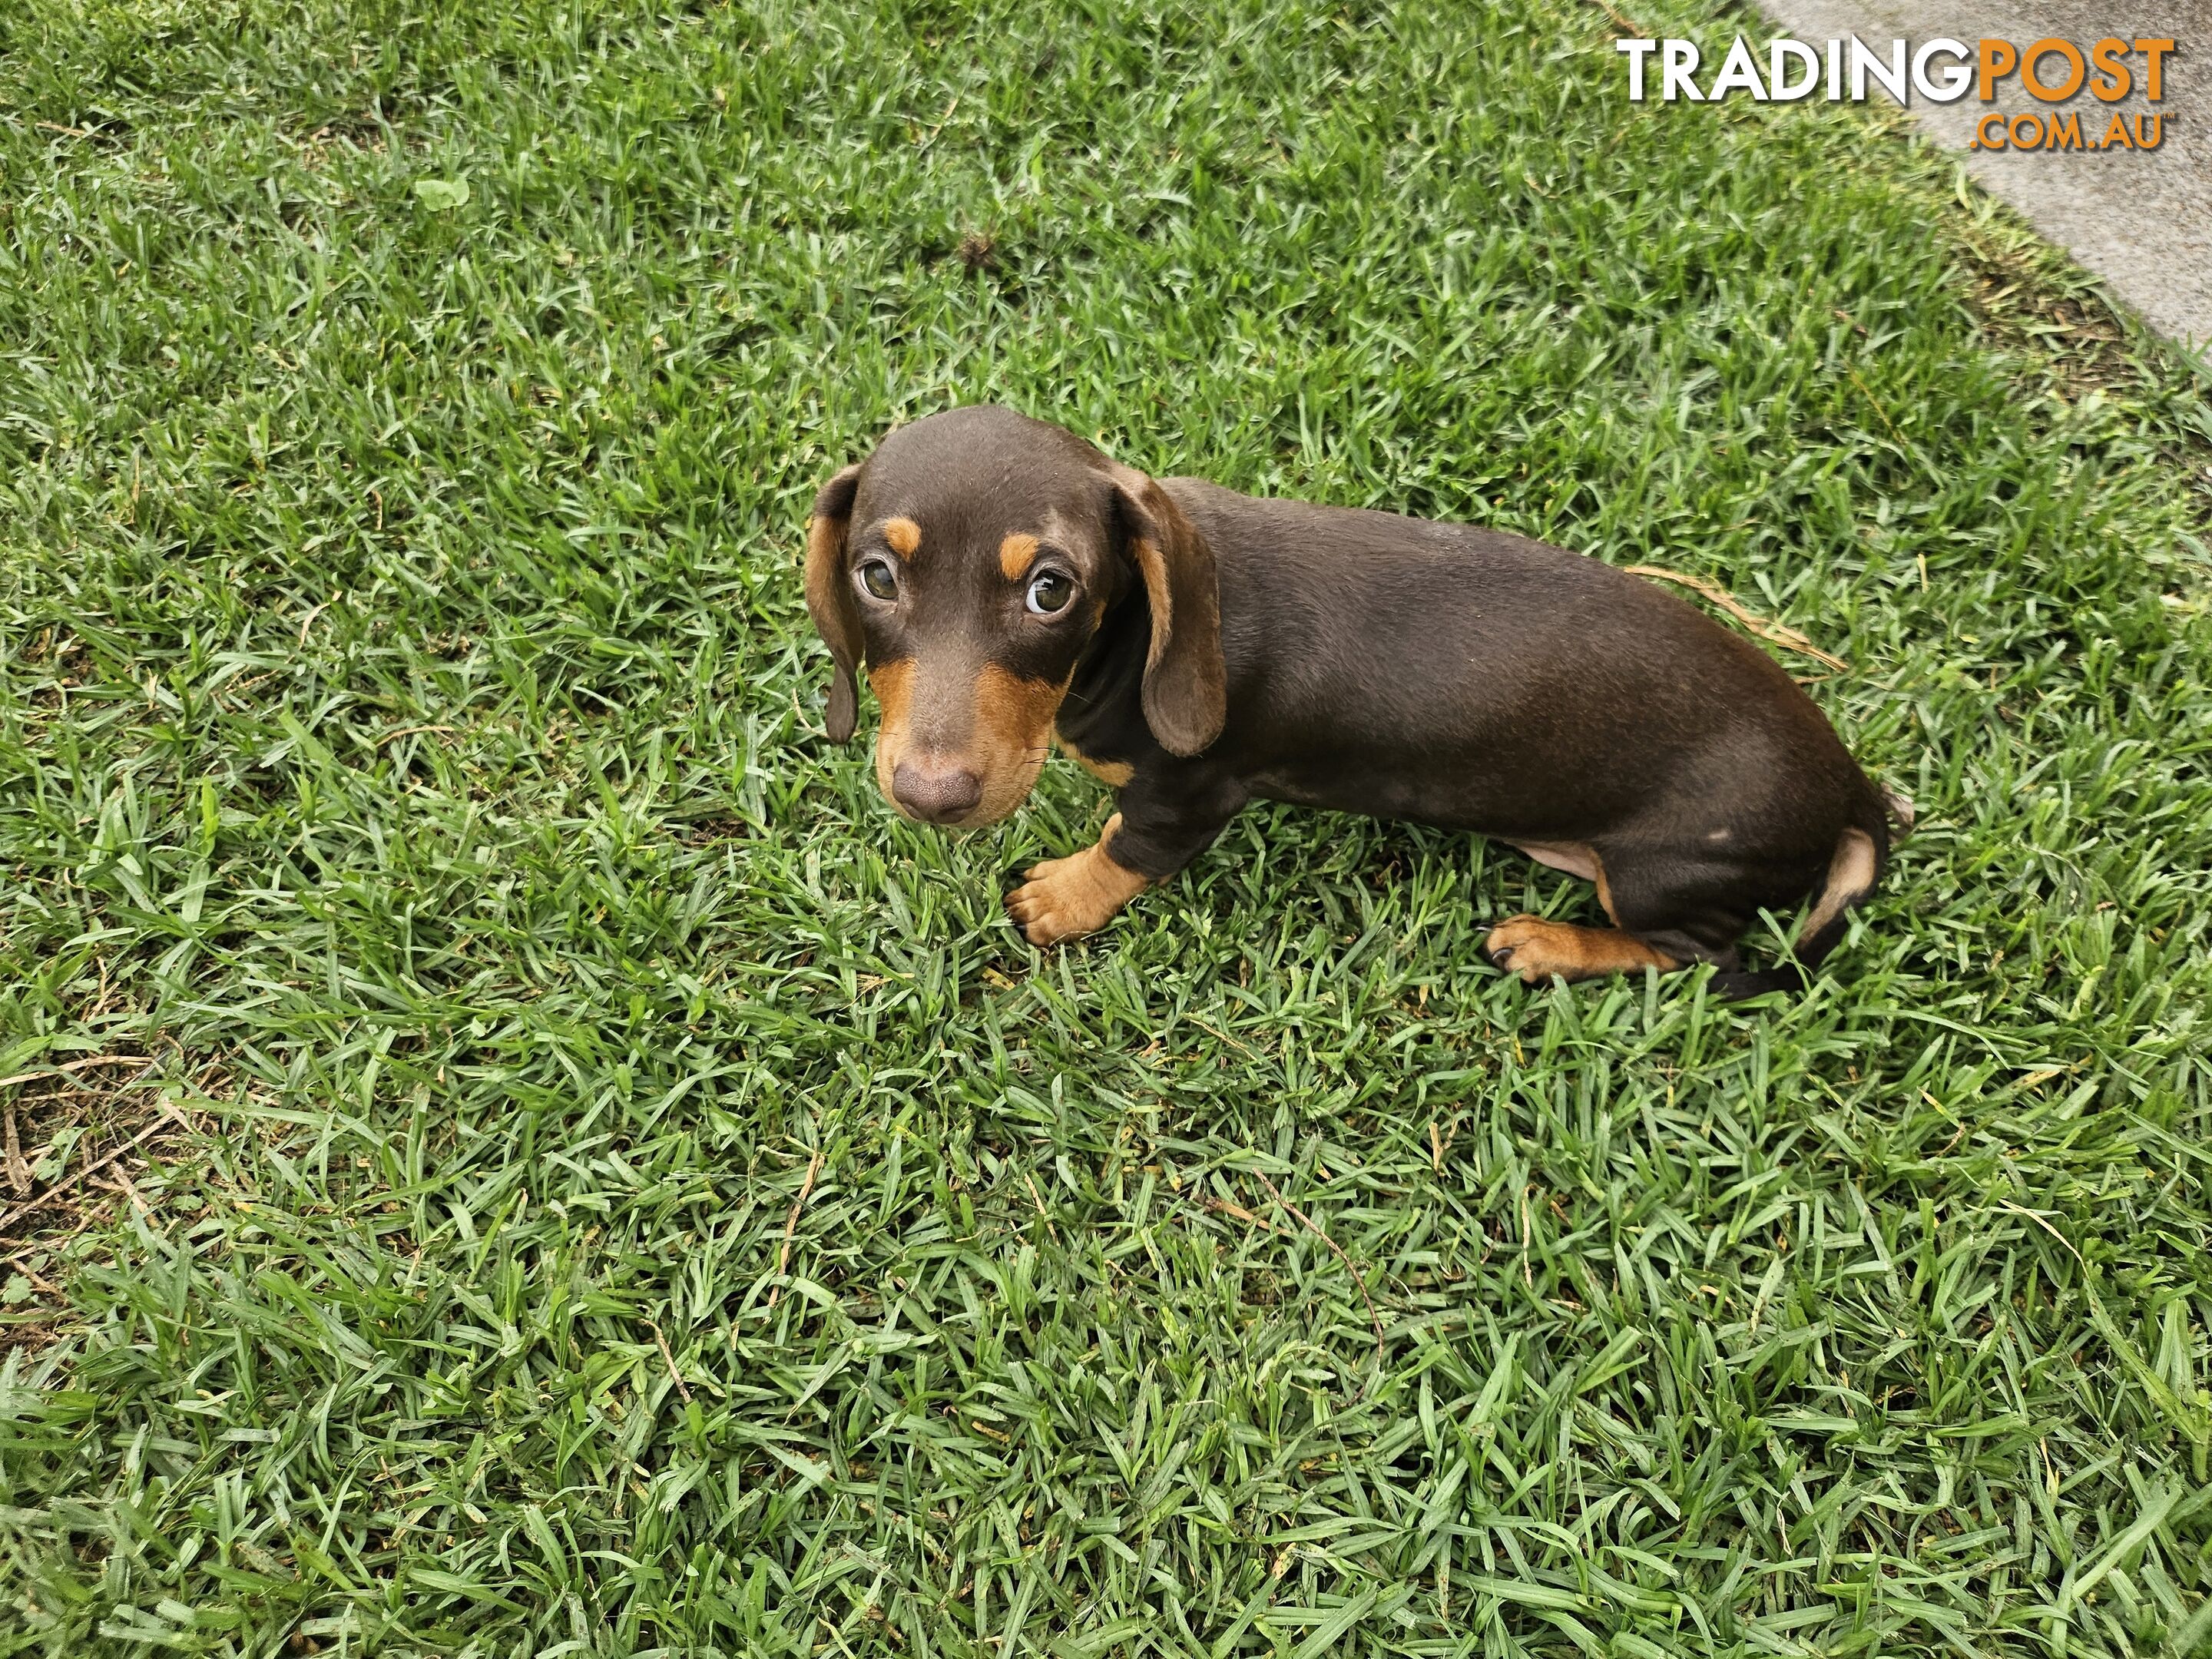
pixel 1108 690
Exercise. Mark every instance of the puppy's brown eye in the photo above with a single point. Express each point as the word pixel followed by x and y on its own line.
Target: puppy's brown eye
pixel 1050 592
pixel 880 580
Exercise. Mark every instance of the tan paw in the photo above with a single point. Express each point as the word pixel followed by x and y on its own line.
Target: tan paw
pixel 1537 949
pixel 1066 898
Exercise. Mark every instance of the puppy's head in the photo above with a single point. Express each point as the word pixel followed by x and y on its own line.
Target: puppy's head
pixel 968 563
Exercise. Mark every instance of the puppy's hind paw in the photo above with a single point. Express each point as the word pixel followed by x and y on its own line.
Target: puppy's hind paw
pixel 1522 937
pixel 1536 950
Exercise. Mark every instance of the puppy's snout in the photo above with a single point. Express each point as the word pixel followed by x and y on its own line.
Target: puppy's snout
pixel 935 791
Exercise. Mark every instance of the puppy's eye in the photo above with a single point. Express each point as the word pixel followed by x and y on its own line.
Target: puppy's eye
pixel 879 579
pixel 1050 592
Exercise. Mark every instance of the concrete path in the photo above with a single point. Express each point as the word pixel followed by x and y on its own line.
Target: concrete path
pixel 2141 221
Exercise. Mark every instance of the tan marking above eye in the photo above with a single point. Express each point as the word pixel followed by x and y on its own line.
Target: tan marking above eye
pixel 904 536
pixel 1015 554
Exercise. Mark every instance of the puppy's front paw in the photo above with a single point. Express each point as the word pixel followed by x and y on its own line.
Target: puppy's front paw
pixel 1054 904
pixel 1066 898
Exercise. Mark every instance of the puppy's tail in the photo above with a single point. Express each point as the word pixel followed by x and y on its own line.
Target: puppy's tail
pixel 1854 871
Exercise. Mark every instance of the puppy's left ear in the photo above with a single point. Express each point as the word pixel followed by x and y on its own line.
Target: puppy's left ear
pixel 829 597
pixel 1186 682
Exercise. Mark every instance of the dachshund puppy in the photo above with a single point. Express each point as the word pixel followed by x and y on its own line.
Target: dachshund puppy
pixel 1005 583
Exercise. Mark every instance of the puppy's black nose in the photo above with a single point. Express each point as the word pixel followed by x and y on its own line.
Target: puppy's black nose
pixel 935 791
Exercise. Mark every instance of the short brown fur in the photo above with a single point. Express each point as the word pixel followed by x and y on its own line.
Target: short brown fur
pixel 1016 553
pixel 903 536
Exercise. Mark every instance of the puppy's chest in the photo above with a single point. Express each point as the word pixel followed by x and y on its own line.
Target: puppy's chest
pixel 1100 726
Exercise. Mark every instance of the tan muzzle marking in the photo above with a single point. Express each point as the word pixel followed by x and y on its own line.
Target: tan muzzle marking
pixel 1010 733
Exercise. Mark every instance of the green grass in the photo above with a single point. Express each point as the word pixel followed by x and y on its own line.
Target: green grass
pixel 612 1187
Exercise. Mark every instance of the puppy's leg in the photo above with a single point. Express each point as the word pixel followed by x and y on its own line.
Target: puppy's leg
pixel 1538 950
pixel 1663 917
pixel 1065 898
pixel 1169 814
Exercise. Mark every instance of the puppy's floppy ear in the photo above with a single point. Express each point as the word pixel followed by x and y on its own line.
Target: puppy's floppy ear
pixel 829 597
pixel 1186 682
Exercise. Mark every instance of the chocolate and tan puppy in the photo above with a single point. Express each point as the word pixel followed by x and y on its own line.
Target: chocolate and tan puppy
pixel 1005 582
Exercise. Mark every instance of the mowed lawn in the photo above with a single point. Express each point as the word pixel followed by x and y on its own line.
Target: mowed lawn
pixel 524 1154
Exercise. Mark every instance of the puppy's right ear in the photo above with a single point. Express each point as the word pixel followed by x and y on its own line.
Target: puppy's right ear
pixel 1186 696
pixel 829 597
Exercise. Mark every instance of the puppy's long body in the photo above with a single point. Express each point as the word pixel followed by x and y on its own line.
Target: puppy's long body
pixel 1196 649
